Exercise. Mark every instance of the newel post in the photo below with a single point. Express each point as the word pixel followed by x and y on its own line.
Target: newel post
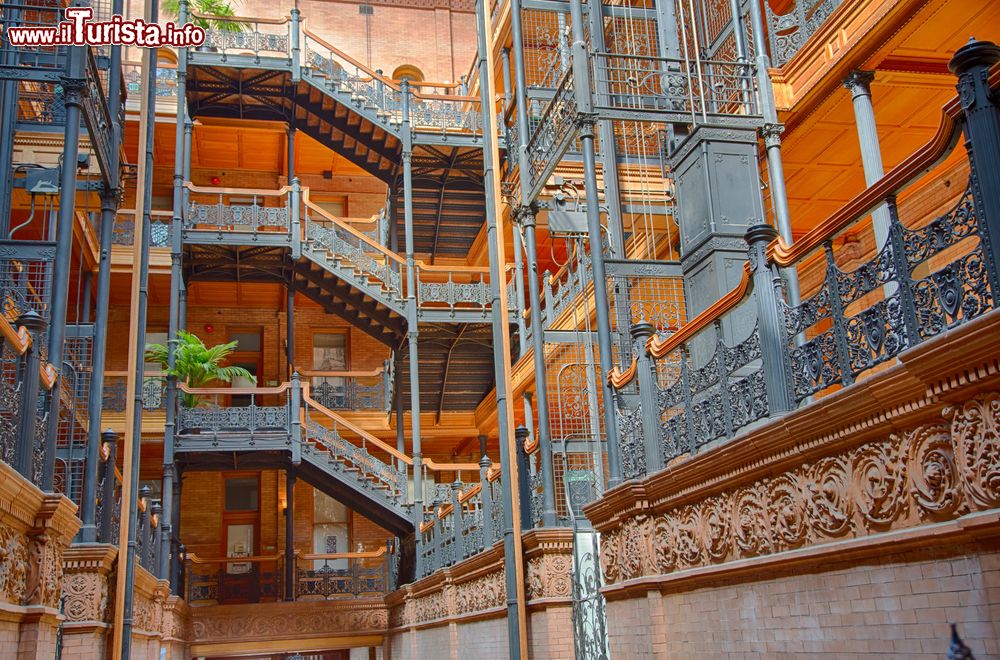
pixel 770 320
pixel 646 372
pixel 971 64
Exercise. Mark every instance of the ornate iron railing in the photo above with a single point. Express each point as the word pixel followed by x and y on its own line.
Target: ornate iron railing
pixel 135 81
pixel 871 290
pixel 239 35
pixel 235 210
pixel 790 31
pixel 346 78
pixel 462 521
pixel 123 232
pixel 701 89
pixel 553 134
pixel 154 392
pixel 333 576
pixel 245 579
pixel 347 390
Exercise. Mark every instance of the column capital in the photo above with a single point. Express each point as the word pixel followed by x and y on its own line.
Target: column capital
pixel 859 82
pixel 772 134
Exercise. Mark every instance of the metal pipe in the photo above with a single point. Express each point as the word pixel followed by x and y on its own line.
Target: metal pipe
pixel 73 83
pixel 586 134
pixel 411 318
pixel 517 617
pixel 527 218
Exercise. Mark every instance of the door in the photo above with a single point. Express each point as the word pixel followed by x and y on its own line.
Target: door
pixel 240 581
pixel 249 355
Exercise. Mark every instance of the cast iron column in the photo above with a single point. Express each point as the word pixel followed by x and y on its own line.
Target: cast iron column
pixel 176 226
pixel 858 83
pixel 972 64
pixel 74 85
pixel 586 119
pixel 526 216
pixel 411 319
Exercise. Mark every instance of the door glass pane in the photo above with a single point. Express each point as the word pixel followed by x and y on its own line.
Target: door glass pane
pixel 241 494
pixel 239 543
pixel 247 342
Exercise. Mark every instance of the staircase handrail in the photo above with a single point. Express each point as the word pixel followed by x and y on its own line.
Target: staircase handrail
pixel 368 554
pixel 278 389
pixel 384 446
pixel 260 192
pixel 389 82
pixel 381 249
pixel 342 421
pixel 195 559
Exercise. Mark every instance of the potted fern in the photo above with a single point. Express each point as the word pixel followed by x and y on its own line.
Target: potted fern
pixel 195 364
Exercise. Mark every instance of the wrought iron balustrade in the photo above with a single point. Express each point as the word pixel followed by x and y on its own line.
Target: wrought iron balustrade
pixel 346 390
pixel 342 248
pixel 873 285
pixel 238 579
pixel 553 133
pixel 702 90
pixel 236 412
pixel 790 31
pixel 332 576
pixel 147 532
pixel 453 288
pixel 356 453
pixel 239 211
pixel 123 232
pixel 135 81
pixel 240 36
pixel 455 530
pixel 154 392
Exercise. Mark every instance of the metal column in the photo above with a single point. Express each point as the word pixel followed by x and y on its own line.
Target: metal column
pixel 411 319
pixel 526 216
pixel 858 83
pixel 517 617
pixel 73 83
pixel 290 298
pixel 585 110
pixel 109 206
pixel 176 277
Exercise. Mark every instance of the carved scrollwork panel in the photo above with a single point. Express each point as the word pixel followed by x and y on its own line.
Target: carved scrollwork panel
pixel 977 446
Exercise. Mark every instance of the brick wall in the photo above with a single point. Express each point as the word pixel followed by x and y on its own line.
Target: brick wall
pixel 898 606
pixel 201 515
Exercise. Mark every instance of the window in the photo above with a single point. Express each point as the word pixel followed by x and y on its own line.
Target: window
pixel 409 73
pixel 241 494
pixel 330 354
